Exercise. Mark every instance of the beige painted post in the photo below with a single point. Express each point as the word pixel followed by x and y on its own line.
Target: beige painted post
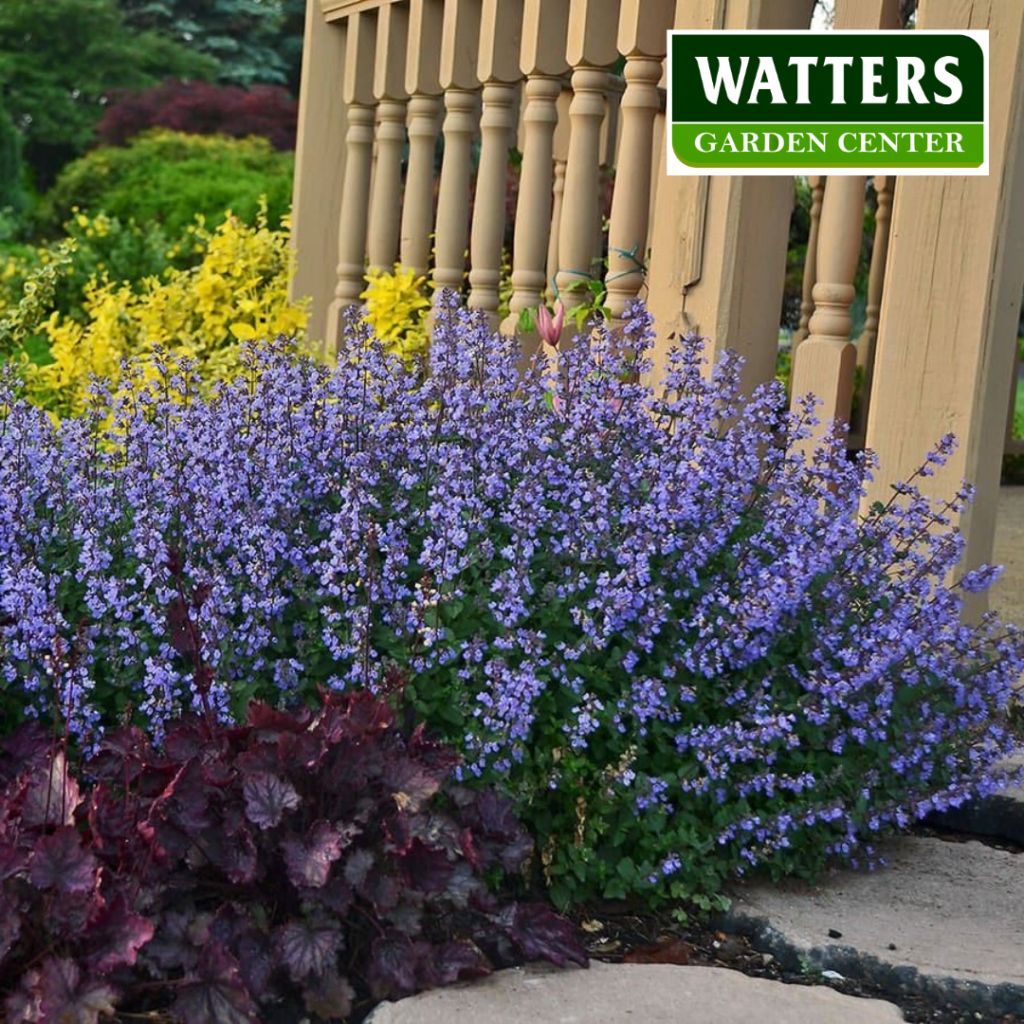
pixel 825 363
pixel 357 91
pixel 590 47
pixel 459 45
pixel 884 185
pixel 319 168
pixel 423 83
pixel 817 185
pixel 500 34
pixel 557 199
pixel 561 154
pixel 955 269
pixel 389 89
pixel 542 60
pixel 868 14
pixel 642 28
pixel 718 250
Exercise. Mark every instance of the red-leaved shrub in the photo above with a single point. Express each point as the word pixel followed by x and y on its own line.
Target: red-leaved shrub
pixel 202 108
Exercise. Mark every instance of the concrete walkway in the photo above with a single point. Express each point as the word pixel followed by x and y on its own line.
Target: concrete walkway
pixel 641 993
pixel 1007 596
pixel 943 920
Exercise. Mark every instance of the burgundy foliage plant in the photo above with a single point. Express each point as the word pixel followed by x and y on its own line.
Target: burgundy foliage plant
pixel 305 864
pixel 201 108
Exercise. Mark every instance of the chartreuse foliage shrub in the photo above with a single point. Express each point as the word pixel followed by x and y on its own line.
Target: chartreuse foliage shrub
pixel 238 290
pixel 299 865
pixel 656 622
pixel 168 178
pixel 396 309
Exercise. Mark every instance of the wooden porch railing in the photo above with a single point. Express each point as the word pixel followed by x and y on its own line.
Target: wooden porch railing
pixel 575 85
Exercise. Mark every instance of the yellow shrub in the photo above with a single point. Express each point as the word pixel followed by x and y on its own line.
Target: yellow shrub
pixel 239 291
pixel 396 309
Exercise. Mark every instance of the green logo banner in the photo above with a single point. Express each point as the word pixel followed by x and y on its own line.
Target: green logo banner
pixel 912 102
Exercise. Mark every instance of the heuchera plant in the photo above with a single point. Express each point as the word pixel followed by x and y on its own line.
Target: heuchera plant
pixel 302 863
pixel 658 622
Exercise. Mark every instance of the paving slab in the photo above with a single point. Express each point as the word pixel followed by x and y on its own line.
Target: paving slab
pixel 1007 595
pixel 645 993
pixel 944 919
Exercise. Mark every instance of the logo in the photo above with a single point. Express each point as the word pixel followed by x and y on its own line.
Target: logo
pixel 753 102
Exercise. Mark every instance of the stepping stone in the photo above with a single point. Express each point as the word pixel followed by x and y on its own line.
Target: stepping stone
pixel 943 920
pixel 645 993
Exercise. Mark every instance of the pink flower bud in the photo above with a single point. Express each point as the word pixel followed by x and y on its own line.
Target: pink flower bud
pixel 548 327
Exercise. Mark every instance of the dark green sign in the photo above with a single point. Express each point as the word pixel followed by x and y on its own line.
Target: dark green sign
pixel 826 101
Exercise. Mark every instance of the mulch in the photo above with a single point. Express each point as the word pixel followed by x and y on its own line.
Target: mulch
pixel 620 934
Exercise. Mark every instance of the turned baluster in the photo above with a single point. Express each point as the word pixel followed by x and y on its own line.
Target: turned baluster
pixel 500 30
pixel 884 185
pixel 459 42
pixel 360 41
pixel 591 46
pixel 557 198
pixel 389 89
pixel 817 186
pixel 423 83
pixel 826 361
pixel 542 60
pixel 642 28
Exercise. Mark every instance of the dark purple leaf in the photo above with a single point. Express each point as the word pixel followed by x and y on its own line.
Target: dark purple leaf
pixel 52 795
pixel 412 784
pixel 267 798
pixel 329 996
pixel 309 862
pixel 25 1003
pixel 183 631
pixel 465 889
pixel 306 949
pixel 357 866
pixel 541 934
pixel 10 923
pixel 12 856
pixel 427 868
pixel 216 993
pixel 116 936
pixel 458 961
pixel 336 896
pixel 234 853
pixel 438 756
pixel 266 719
pixel 173 946
pixel 392 968
pixel 66 996
pixel 61 862
pixel 500 839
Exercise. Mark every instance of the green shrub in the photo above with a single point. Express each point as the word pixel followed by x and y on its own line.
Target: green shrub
pixel 169 178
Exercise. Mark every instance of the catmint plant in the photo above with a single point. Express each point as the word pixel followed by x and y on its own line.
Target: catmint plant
pixel 658 622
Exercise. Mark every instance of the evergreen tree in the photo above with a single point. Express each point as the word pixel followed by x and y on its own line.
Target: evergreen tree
pixel 247 38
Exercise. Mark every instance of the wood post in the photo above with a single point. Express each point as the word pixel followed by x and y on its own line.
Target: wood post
pixel 947 331
pixel 542 60
pixel 319 168
pixel 423 83
pixel 389 90
pixel 591 46
pixel 498 66
pixel 817 186
pixel 826 361
pixel 460 38
pixel 642 34
pixel 360 43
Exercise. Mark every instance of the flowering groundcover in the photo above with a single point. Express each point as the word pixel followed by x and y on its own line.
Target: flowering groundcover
pixel 656 622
